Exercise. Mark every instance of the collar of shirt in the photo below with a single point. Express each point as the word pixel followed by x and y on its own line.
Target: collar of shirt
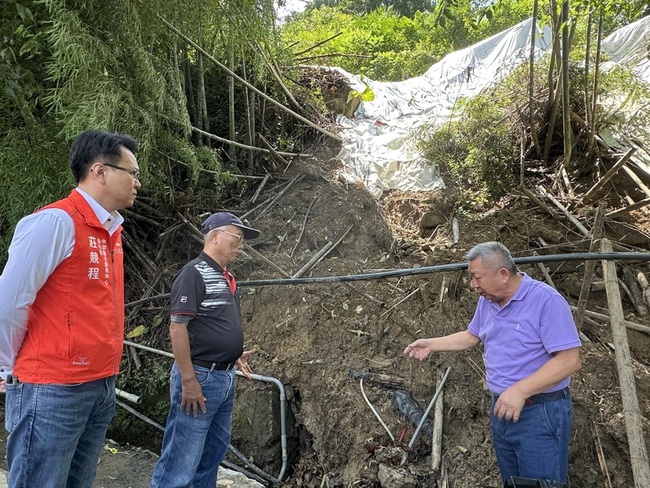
pixel 110 221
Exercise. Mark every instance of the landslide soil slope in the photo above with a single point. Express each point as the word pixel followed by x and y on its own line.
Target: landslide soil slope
pixel 312 336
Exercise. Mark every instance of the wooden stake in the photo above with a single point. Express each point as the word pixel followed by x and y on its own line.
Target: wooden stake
pixel 436 439
pixel 590 266
pixel 631 410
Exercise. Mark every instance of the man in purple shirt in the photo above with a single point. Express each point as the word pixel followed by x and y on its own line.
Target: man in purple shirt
pixel 531 348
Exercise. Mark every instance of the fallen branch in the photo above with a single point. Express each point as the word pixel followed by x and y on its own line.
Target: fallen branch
pixel 583 230
pixel 400 302
pixel 364 294
pixel 601 456
pixel 315 259
pixel 304 224
pixel 635 206
pixel 290 182
pixel 321 254
pixel 259 188
pixel 279 195
pixel 275 154
pixel 606 318
pixel 608 176
pixel 260 256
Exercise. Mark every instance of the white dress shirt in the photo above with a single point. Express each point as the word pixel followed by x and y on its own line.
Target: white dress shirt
pixel 40 242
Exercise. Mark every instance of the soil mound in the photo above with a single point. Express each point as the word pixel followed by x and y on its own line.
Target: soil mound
pixel 316 337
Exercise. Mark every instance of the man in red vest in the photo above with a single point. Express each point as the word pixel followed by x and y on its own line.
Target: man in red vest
pixel 62 319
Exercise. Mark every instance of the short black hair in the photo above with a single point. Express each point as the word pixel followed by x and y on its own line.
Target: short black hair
pixel 92 145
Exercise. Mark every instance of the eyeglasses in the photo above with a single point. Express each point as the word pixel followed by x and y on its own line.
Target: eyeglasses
pixel 236 236
pixel 133 172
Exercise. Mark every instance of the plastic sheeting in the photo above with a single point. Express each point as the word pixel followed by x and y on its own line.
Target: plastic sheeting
pixel 629 47
pixel 379 143
pixel 629 120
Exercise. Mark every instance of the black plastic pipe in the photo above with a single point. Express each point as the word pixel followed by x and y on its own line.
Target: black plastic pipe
pixel 549 258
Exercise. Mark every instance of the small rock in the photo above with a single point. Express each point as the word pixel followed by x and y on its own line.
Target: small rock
pixel 394 477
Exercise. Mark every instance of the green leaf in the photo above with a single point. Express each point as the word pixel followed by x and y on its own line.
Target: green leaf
pixel 137 332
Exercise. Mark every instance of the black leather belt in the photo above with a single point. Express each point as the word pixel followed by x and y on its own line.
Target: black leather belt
pixel 545 397
pixel 211 366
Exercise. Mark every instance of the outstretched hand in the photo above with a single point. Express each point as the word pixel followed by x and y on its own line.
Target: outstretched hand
pixel 419 349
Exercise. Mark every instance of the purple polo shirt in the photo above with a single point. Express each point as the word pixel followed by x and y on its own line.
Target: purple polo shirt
pixel 521 337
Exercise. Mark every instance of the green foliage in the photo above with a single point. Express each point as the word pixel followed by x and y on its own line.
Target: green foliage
pixel 476 150
pixel 373 45
pixel 406 8
pixel 33 170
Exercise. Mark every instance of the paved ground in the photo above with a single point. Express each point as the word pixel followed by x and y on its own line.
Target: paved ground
pixel 227 478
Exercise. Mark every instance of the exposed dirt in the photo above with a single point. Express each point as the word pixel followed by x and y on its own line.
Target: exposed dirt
pixel 311 336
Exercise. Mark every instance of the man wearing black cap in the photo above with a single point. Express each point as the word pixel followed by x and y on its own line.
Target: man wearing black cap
pixel 208 345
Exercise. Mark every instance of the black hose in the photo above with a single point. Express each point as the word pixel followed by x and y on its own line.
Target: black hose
pixel 585 256
pixel 549 258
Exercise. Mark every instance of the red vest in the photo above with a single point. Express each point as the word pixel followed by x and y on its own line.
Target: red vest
pixel 75 331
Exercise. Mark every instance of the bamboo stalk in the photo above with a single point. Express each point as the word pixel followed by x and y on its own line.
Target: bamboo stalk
pixel 259 188
pixel 314 46
pixel 314 260
pixel 259 255
pixel 323 252
pixel 635 206
pixel 304 224
pixel 637 180
pixel 246 83
pixel 275 154
pixel 608 176
pixel 606 318
pixel 565 211
pixel 279 195
pixel 240 145
pixel 631 410
pixel 601 456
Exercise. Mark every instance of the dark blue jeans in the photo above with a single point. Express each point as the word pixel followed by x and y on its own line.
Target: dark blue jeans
pixel 57 432
pixel 537 446
pixel 193 447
